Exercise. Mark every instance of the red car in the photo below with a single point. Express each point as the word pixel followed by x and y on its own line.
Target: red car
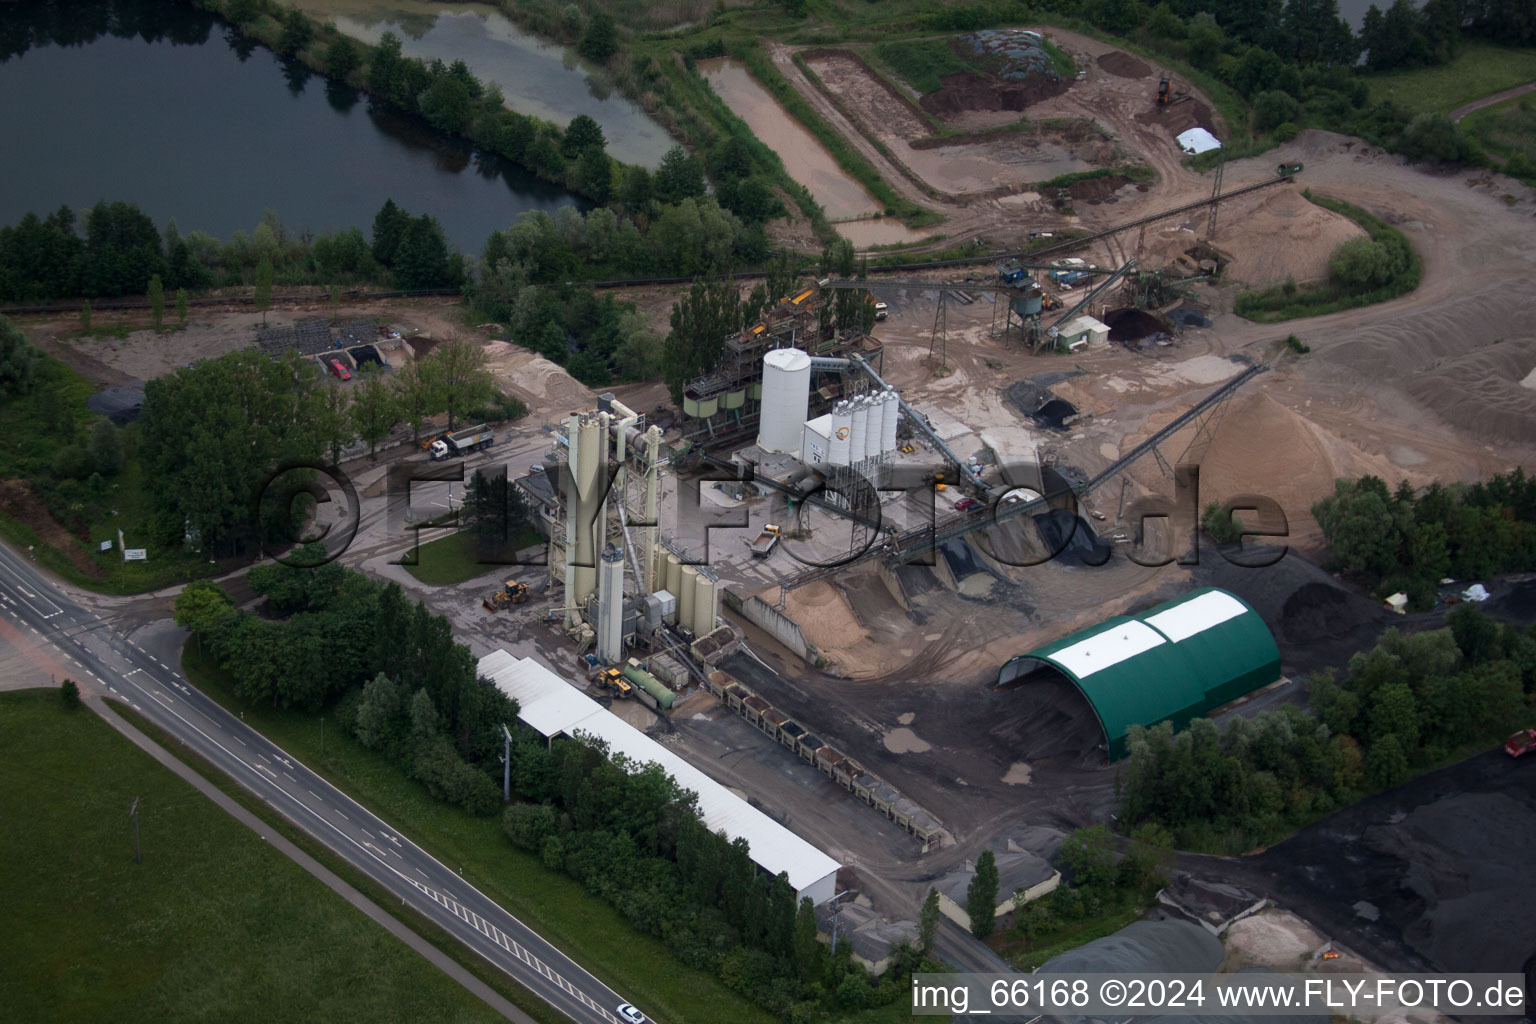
pixel 966 504
pixel 1522 742
pixel 339 370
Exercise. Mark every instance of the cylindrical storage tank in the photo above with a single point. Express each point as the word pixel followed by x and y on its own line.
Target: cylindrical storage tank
pixel 589 498
pixel 705 606
pixel 891 414
pixel 856 442
pixel 687 592
pixel 786 399
pixel 674 579
pixel 842 434
pixel 734 399
pixel 875 429
pixel 650 684
pixel 690 405
pixel 755 391
pixel 708 407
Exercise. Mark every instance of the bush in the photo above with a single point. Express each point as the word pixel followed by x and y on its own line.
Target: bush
pixel 1360 263
pixel 69 694
pixel 1274 108
pixel 1285 132
pixel 1433 138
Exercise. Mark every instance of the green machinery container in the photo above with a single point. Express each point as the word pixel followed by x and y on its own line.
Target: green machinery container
pixel 651 685
pixel 734 399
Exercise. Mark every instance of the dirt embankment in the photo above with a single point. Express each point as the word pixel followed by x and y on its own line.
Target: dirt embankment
pixel 1123 65
pixel 19 501
pixel 968 91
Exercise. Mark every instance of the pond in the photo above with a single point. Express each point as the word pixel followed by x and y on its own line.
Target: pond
pixel 159 105
pixel 533 74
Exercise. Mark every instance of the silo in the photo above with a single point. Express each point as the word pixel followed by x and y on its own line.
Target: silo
pixel 610 607
pixel 842 434
pixel 860 425
pixel 875 429
pixel 674 577
pixel 706 606
pixel 786 399
pixel 686 599
pixel 888 421
pixel 586 517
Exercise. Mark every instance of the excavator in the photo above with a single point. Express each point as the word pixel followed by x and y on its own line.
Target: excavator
pixel 1164 90
pixel 511 592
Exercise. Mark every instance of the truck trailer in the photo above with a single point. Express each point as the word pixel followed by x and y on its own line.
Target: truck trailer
pixel 462 442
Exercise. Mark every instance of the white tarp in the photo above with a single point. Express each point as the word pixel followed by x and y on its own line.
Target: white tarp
pixel 1198 140
pixel 1476 592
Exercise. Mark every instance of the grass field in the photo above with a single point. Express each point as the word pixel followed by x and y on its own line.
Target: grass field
pixel 214 925
pixel 583 926
pixel 1508 129
pixel 1481 69
pixel 922 62
pixel 453 559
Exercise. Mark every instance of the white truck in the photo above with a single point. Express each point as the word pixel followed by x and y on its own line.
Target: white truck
pixel 462 442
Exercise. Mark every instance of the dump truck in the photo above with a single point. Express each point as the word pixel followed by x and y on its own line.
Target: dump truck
pixel 1522 742
pixel 461 442
pixel 762 545
pixel 511 592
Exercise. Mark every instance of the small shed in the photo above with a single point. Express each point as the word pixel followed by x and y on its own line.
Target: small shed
pixel 1017 872
pixel 1085 330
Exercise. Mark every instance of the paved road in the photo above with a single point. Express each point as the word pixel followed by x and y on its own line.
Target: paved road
pixel 108 660
pixel 1488 101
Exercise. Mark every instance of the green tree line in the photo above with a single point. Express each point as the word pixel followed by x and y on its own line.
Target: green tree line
pixel 393 671
pixel 631 835
pixel 1401 707
pixel 1408 541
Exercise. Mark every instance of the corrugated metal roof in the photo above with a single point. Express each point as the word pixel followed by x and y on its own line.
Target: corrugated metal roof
pixel 1173 662
pixel 552 706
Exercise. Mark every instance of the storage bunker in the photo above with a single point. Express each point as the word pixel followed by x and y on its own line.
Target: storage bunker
pixel 1173 662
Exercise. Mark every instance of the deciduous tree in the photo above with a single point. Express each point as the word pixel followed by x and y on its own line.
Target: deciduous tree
pixel 981 896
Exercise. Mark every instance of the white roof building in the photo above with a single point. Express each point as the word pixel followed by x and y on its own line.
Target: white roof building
pixel 553 707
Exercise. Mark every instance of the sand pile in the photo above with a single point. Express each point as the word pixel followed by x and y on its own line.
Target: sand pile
pixel 545 385
pixel 1278 235
pixel 822 613
pixel 1261 447
pixel 1486 393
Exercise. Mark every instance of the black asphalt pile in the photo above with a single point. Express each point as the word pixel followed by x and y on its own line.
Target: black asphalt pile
pixel 365 354
pixel 1028 396
pixel 1053 415
pixel 1143 947
pixel 1186 317
pixel 1063 532
pixel 358 332
pixel 1132 324
pixel 1435 874
pixel 120 405
pixel 308 337
pixel 1043 719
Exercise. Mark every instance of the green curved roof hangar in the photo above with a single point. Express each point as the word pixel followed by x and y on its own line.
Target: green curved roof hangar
pixel 1173 662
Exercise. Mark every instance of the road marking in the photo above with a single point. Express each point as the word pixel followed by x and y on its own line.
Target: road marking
pixel 344 816
pixel 241 742
pixel 310 791
pixel 290 776
pixel 269 771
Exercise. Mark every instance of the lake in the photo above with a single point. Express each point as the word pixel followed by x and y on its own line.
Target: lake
pixel 159 105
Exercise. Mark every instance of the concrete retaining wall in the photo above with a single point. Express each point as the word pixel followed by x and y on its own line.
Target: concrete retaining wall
pixel 783 629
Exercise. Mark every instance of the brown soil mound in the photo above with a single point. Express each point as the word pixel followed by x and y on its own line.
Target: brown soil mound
pixel 1482 392
pixel 1262 447
pixel 970 91
pixel 1277 234
pixel 19 501
pixel 1179 117
pixel 1097 190
pixel 1123 65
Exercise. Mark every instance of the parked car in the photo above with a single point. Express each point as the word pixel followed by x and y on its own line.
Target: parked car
pixel 631 1014
pixel 966 504
pixel 339 370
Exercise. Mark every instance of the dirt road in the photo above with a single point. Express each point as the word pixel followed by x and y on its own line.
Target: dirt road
pixel 1488 101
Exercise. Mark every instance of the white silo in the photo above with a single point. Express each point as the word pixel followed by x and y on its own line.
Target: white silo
pixel 856 440
pixel 842 434
pixel 891 413
pixel 874 431
pixel 786 398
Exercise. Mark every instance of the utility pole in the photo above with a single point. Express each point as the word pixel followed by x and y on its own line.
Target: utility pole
pixel 133 812
pixel 837 908
pixel 506 765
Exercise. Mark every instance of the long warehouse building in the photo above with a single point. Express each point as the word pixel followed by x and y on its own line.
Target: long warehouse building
pixel 553 707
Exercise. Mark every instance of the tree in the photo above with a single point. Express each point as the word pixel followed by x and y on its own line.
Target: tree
pixel 330 419
pixel 342 57
pixel 18 360
pixel 1205 40
pixel 594 175
pixel 296 34
pixel 701 320
pixel 1477 636
pixel 106 446
pixel 69 694
pixel 1433 138
pixel 1274 108
pixel 379 711
pixel 263 293
pixel 1086 853
pixel 1361 264
pixel 122 250
pixel 807 948
pixel 422 260
pixel 374 412
pixel 156 301
pixel 415 394
pixel 203 606
pixel 928 924
pixel 181 306
pixel 1359 527
pixel 447 104
pixel 601 39
pixel 679 177
pixel 1220 524
pixel 981 896
pixel 635 190
pixel 389 227
pixel 582 134
pixel 458 370
pixel 244 11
